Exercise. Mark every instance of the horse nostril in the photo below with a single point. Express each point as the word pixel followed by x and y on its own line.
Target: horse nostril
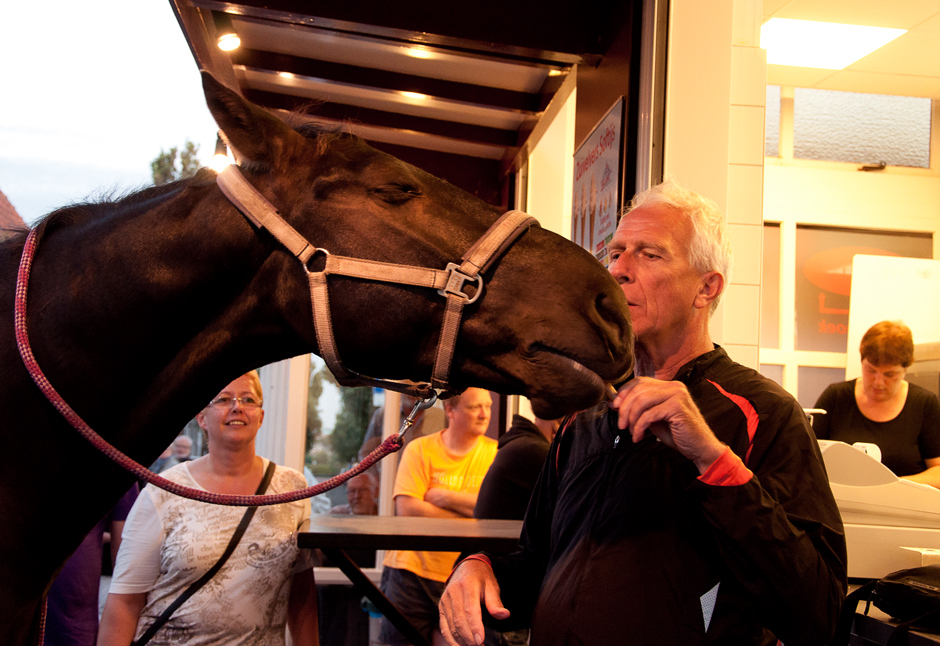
pixel 614 319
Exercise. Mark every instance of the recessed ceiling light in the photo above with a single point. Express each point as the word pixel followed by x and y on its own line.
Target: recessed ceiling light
pixel 229 42
pixel 419 52
pixel 825 45
pixel 415 95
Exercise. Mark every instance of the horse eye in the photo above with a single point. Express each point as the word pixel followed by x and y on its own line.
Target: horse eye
pixel 396 193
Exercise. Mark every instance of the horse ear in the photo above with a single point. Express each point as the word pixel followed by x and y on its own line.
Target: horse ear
pixel 255 134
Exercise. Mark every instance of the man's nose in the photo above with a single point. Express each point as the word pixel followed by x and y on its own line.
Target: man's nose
pixel 621 270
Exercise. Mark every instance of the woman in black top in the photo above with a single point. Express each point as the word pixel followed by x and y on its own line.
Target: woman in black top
pixel 882 408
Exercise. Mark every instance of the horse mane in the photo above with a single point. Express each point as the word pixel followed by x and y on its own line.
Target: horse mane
pixel 120 204
pixel 109 205
pixel 308 126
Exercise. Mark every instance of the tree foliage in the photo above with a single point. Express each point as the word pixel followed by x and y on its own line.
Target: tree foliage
pixel 165 168
pixel 314 423
pixel 352 420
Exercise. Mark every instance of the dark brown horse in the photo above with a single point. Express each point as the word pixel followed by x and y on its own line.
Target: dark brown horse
pixel 141 309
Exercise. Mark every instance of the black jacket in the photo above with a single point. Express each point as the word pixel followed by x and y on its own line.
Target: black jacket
pixel 623 544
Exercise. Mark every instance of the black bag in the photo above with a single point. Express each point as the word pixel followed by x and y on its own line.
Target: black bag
pixel 910 596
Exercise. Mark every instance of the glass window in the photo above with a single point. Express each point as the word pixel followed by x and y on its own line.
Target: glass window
pixel 861 128
pixel 813 381
pixel 772 371
pixel 772 122
pixel 770 288
pixel 337 420
pixel 824 277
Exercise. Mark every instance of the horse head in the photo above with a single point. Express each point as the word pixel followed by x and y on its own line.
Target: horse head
pixel 551 324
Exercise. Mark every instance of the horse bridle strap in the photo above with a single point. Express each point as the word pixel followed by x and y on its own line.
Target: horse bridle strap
pixel 390 445
pixel 449 282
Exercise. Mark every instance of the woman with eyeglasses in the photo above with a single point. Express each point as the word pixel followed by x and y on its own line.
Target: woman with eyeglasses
pixel 170 542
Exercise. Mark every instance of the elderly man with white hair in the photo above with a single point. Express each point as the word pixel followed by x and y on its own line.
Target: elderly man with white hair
pixel 691 509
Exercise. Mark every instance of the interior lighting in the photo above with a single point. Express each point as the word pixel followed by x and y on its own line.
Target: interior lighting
pixel 226 37
pixel 220 159
pixel 419 52
pixel 825 45
pixel 415 95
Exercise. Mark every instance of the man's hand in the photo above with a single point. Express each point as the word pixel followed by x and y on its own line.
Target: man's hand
pixel 471 586
pixel 666 410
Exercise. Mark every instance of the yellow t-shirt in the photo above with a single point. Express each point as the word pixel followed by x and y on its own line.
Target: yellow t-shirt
pixel 426 462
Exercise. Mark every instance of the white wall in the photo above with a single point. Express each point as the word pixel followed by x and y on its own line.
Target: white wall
pixel 551 172
pixel 714 142
pixel 835 194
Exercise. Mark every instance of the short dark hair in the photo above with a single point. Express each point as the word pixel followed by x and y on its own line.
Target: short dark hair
pixel 888 343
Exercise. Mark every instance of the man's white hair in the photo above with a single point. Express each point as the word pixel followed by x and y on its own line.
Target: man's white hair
pixel 710 250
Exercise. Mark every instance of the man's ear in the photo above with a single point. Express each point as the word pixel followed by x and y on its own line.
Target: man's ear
pixel 710 287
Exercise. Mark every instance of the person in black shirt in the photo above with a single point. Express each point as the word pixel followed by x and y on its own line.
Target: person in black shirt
pixel 883 408
pixel 508 484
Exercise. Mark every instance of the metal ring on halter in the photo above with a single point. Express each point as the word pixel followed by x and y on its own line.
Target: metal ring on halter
pixel 421 404
pixel 314 254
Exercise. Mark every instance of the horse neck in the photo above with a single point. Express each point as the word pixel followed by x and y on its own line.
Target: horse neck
pixel 150 301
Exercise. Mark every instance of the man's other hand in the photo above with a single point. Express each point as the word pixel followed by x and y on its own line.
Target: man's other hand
pixel 471 586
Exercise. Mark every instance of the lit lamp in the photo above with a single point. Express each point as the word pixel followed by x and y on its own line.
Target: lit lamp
pixel 220 159
pixel 226 37
pixel 823 45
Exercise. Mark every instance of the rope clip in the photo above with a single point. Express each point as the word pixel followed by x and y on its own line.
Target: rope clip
pixel 420 405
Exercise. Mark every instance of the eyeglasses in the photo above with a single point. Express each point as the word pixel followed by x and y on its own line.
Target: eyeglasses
pixel 227 402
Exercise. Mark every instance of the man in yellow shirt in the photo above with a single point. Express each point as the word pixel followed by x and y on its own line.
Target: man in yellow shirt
pixel 439 476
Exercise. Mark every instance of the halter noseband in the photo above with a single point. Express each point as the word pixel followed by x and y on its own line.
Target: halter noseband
pixel 448 282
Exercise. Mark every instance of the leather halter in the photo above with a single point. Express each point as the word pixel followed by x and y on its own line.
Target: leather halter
pixel 448 282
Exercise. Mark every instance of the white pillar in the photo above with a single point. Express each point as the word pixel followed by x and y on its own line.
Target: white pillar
pixel 282 436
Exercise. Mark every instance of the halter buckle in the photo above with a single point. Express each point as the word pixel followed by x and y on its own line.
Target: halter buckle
pixel 455 283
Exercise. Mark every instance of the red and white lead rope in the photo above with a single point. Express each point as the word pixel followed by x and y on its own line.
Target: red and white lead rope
pixel 390 445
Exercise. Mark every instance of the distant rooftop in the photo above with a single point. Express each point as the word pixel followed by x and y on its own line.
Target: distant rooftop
pixel 9 218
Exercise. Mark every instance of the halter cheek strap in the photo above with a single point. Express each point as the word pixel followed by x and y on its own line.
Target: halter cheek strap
pixel 449 282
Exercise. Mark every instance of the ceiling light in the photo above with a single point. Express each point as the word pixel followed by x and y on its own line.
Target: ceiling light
pixel 419 52
pixel 825 45
pixel 226 37
pixel 415 95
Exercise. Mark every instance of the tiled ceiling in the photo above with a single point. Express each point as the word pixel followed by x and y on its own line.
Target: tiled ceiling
pixel 908 65
pixel 470 79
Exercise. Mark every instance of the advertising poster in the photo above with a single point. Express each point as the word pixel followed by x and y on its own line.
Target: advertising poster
pixel 824 279
pixel 597 172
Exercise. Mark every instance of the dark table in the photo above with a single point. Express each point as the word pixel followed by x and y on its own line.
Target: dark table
pixel 334 534
pixel 875 629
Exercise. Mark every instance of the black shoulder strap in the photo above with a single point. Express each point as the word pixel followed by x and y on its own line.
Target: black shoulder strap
pixel 847 615
pixel 232 544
